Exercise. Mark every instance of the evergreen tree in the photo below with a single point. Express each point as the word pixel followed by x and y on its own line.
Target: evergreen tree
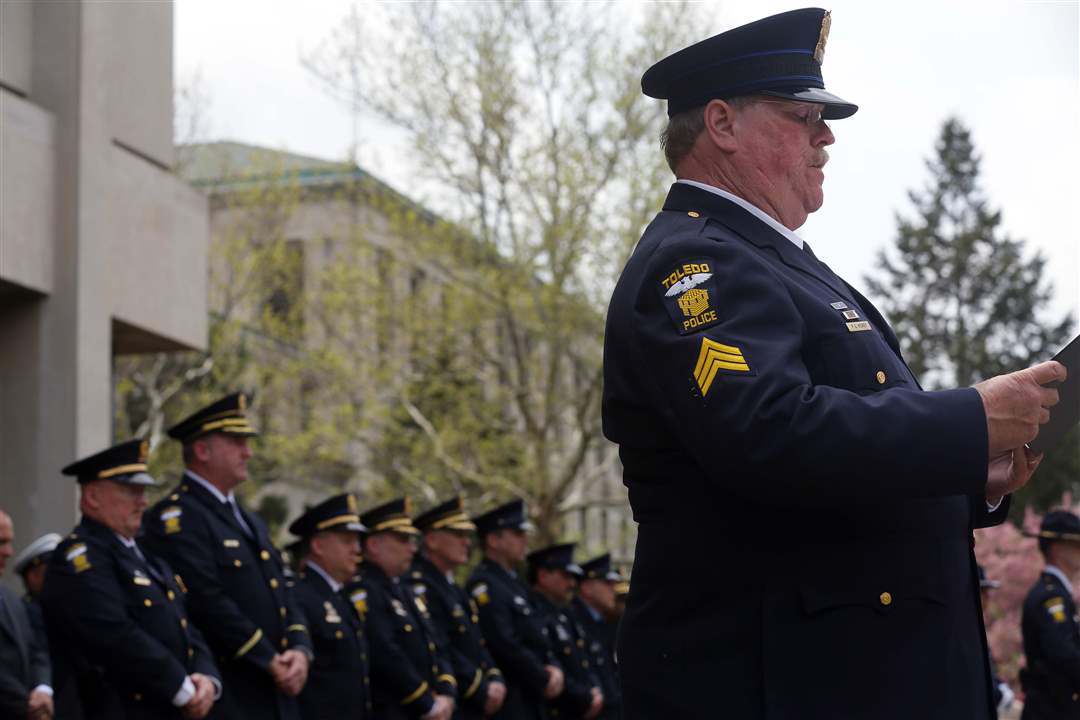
pixel 966 302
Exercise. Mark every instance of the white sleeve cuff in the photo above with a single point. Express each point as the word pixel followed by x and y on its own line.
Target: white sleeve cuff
pixel 184 694
pixel 43 689
pixel 992 507
pixel 217 687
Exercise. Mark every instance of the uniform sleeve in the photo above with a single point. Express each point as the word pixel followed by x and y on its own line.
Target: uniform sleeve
pixel 983 517
pixel 14 693
pixel 187 547
pixel 100 623
pixel 507 647
pixel 740 394
pixel 1053 626
pixel 391 667
pixel 40 665
pixel 468 676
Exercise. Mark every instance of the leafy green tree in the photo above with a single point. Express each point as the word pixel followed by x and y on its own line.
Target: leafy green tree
pixel 966 301
pixel 528 121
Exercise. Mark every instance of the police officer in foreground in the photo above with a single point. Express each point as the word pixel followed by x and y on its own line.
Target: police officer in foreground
pixel 447 537
pixel 765 416
pixel 338 684
pixel 31 564
pixel 594 610
pixel 514 631
pixel 122 642
pixel 238 589
pixel 1051 680
pixel 553 575
pixel 411 676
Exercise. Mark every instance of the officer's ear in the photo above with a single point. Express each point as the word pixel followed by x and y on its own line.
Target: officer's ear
pixel 720 124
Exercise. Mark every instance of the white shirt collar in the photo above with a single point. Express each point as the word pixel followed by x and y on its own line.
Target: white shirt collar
pixel 334 584
pixel 752 209
pixel 206 484
pixel 129 543
pixel 1056 572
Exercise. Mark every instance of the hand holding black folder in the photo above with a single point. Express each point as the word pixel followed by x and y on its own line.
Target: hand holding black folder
pixel 1066 414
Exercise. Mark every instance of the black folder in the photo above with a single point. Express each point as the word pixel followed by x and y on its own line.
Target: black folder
pixel 1066 414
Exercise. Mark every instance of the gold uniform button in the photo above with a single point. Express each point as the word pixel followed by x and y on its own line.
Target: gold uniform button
pixel 694 214
pixel 273 583
pixel 282 610
pixel 183 623
pixel 237 563
pixel 408 628
pixel 885 598
pixel 881 377
pixel 339 634
pixel 171 595
pixel 284 643
pixel 264 555
pixel 431 647
pixel 435 669
pixel 190 653
pixel 147 602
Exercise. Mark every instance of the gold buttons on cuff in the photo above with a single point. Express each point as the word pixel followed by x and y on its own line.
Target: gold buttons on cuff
pixel 881 377
pixel 264 555
pixel 885 598
pixel 273 583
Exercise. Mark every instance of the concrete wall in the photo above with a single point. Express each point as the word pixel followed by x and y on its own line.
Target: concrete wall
pixel 96 234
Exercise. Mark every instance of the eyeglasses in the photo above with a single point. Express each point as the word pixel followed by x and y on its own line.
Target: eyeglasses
pixel 805 113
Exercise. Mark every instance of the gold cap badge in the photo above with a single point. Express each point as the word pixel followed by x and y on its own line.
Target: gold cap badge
pixel 823 37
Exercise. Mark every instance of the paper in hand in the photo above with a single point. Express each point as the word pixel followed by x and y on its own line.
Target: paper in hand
pixel 1066 414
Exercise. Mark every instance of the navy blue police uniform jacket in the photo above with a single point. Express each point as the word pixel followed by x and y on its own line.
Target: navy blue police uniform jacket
pixel 408 667
pixel 119 631
pixel 568 642
pixel 601 656
pixel 339 680
pixel 768 425
pixel 455 621
pixel 517 638
pixel 238 595
pixel 1051 679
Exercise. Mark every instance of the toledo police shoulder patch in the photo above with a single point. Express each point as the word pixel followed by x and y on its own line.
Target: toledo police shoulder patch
pixel 688 292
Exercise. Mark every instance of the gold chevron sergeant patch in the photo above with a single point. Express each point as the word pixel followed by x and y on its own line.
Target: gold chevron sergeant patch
pixel 714 358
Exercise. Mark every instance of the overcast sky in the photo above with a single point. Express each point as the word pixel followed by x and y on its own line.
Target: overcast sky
pixel 1009 69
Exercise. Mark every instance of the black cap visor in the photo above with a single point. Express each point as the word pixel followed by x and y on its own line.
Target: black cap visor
pixel 835 108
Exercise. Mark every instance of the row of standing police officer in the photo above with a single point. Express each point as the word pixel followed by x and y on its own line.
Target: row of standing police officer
pixel 191 611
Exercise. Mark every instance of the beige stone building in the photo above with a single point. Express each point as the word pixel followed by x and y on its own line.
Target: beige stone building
pixel 102 247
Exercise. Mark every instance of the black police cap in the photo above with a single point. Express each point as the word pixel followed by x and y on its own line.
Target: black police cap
pixel 227 416
pixel 599 568
pixel 509 515
pixel 390 517
pixel 335 513
pixel 1059 525
pixel 555 557
pixel 449 515
pixel 124 463
pixel 779 55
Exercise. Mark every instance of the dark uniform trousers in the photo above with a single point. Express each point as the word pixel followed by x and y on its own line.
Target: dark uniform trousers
pixel 601 656
pixel 408 668
pixel 765 417
pixel 119 630
pixel 238 595
pixel 455 620
pixel 1051 630
pixel 517 638
pixel 569 644
pixel 338 684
